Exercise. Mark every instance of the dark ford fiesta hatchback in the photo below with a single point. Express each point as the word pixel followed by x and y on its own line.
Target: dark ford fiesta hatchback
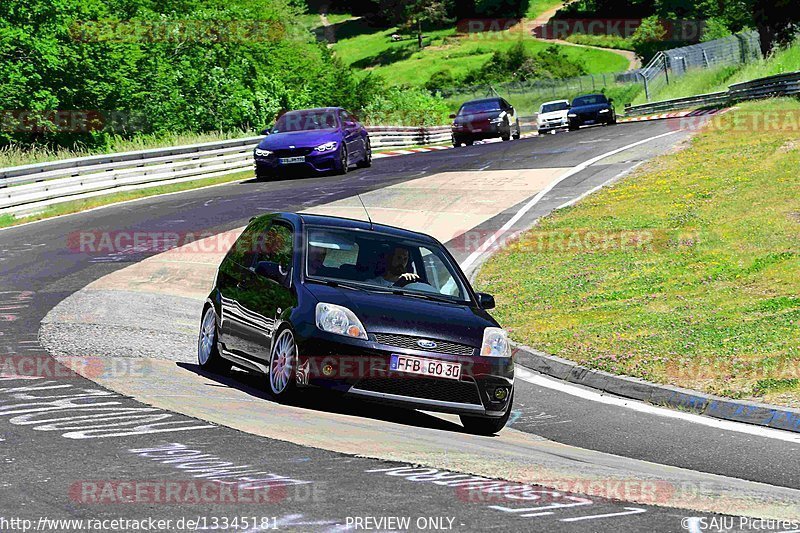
pixel 373 311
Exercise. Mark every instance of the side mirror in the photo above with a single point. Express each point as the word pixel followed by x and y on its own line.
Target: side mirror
pixel 610 100
pixel 266 131
pixel 349 124
pixel 485 301
pixel 273 271
pixel 452 115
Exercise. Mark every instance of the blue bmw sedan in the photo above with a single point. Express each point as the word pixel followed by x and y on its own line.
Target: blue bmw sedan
pixel 313 141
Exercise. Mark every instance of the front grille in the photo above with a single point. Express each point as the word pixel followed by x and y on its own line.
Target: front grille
pixel 443 390
pixel 408 342
pixel 293 152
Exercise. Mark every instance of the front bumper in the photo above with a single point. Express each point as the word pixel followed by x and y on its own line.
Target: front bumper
pixel 590 119
pixel 317 163
pixel 550 125
pixel 479 131
pixel 360 368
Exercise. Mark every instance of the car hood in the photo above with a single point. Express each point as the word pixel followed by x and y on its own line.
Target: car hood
pixel 407 315
pixel 301 139
pixel 478 117
pixel 554 114
pixel 594 108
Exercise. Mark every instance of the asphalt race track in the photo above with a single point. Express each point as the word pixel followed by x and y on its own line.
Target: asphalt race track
pixel 69 443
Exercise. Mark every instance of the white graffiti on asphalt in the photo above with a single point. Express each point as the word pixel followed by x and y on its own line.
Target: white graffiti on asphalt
pixel 84 413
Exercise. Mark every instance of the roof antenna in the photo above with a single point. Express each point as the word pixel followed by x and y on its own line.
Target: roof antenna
pixel 371 227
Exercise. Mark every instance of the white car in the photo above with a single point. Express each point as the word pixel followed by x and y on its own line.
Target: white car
pixel 553 116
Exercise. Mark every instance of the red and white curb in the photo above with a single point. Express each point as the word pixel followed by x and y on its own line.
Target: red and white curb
pixel 677 114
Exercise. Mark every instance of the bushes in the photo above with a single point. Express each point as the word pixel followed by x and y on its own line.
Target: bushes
pixel 66 55
pixel 518 64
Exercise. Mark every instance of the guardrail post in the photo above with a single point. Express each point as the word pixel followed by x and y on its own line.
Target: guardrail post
pixel 646 88
pixel 666 67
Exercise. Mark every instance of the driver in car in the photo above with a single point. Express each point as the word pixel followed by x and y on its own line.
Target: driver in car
pixel 396 269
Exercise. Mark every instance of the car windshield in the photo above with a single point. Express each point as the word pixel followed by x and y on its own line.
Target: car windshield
pixel 384 262
pixel 306 121
pixel 470 108
pixel 558 106
pixel 590 100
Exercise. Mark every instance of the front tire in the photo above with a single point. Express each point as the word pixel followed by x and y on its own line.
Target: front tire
pixel 208 355
pixel 344 166
pixel 518 134
pixel 479 425
pixel 282 365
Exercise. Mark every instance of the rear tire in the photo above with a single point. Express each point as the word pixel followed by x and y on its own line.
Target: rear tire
pixel 367 161
pixel 487 426
pixel 208 355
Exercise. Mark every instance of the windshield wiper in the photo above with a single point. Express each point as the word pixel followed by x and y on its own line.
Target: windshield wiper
pixel 427 296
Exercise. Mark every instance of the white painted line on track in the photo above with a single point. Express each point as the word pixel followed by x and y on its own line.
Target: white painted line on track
pixel 535 200
pixel 586 394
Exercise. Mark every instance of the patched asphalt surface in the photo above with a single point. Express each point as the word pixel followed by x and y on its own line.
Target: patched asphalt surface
pixel 41 467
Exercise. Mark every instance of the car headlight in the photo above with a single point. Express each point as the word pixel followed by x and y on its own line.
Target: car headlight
pixel 327 147
pixel 572 115
pixel 339 320
pixel 262 153
pixel 604 111
pixel 495 343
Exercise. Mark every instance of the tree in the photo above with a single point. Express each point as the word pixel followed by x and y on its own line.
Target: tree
pixel 419 12
pixel 777 22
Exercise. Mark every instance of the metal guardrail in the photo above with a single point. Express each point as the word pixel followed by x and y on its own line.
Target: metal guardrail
pixel 29 188
pixel 772 86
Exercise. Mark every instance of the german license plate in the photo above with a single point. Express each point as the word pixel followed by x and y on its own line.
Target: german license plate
pixel 588 121
pixel 425 367
pixel 292 160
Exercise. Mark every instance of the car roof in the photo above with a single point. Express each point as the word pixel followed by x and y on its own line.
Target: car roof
pixel 316 109
pixel 351 223
pixel 586 95
pixel 480 100
pixel 556 102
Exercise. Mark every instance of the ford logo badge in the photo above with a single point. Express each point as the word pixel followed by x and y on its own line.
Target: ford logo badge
pixel 424 343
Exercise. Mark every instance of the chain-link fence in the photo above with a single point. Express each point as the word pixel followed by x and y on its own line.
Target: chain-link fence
pixel 672 64
pixel 624 87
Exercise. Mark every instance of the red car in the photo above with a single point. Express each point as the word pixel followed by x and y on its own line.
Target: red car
pixel 488 118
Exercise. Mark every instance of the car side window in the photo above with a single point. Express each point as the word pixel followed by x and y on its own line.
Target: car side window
pixel 244 249
pixel 276 244
pixel 437 274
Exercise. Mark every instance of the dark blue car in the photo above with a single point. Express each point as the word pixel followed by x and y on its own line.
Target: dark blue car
pixel 376 312
pixel 591 109
pixel 319 140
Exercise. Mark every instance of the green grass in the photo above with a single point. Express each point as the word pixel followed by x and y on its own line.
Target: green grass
pixel 14 155
pixel 603 41
pixel 718 79
pixel 77 206
pixel 403 63
pixel 537 7
pixel 683 273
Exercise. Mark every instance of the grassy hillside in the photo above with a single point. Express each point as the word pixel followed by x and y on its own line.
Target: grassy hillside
pixel 402 63
pixel 683 273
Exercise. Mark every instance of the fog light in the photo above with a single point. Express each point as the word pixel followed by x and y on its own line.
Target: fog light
pixel 327 370
pixel 500 393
